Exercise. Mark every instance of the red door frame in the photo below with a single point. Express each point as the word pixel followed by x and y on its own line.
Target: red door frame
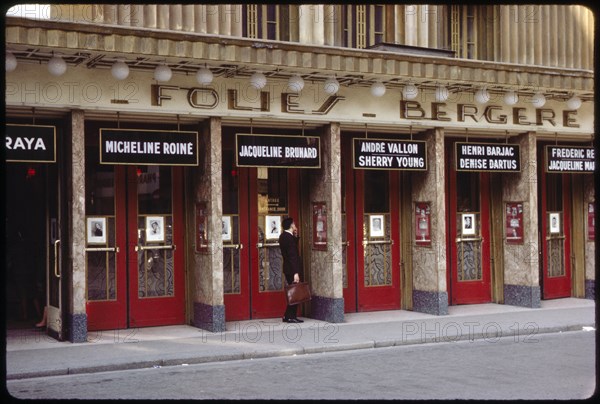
pixel 349 292
pixel 467 292
pixel 556 287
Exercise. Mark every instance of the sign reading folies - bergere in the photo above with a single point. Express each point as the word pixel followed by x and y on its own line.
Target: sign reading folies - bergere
pixel 30 143
pixel 278 151
pixel 570 159
pixel 499 157
pixel 138 146
pixel 383 154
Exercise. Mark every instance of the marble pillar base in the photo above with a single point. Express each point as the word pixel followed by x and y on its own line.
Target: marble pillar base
pixel 210 318
pixel 430 302
pixel 590 289
pixel 523 296
pixel 78 328
pixel 327 309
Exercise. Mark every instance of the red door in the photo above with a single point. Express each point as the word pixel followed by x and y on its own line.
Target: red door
pixel 468 235
pixel 556 235
pixel 372 203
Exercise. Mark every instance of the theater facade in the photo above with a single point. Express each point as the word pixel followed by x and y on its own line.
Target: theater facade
pixel 152 153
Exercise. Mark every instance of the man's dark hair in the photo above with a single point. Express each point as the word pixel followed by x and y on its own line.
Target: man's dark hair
pixel 287 223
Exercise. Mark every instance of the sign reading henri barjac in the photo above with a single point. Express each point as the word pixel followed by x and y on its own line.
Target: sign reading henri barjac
pixel 278 151
pixel 30 143
pixel 570 159
pixel 383 154
pixel 138 146
pixel 498 157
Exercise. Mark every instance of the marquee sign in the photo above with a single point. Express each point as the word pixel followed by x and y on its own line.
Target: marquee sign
pixel 570 159
pixel 384 154
pixel 492 157
pixel 30 143
pixel 278 151
pixel 148 147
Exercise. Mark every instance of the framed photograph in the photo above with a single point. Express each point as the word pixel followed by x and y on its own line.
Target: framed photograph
pixel 468 224
pixel 155 229
pixel 591 222
pixel 319 226
pixel 272 227
pixel 96 230
pixel 513 223
pixel 226 228
pixel 376 226
pixel 554 221
pixel 201 227
pixel 423 223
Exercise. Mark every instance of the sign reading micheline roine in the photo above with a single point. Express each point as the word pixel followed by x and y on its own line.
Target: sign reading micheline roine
pixel 278 151
pixel 139 146
pixel 498 157
pixel 384 154
pixel 570 159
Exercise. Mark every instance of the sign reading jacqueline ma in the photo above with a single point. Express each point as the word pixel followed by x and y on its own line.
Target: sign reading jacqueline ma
pixel 570 159
pixel 498 157
pixel 138 146
pixel 383 154
pixel 278 151
pixel 30 143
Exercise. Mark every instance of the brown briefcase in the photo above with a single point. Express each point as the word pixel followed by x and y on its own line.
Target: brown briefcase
pixel 297 293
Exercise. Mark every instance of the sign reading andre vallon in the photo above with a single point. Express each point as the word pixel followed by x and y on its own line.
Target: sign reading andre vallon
pixel 278 151
pixel 386 154
pixel 497 157
pixel 138 146
pixel 30 143
pixel 570 159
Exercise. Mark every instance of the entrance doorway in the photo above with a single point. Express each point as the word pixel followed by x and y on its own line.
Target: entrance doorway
pixel 134 244
pixel 371 209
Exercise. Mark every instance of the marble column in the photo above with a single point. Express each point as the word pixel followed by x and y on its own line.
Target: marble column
pixel 207 266
pixel 429 262
pixel 326 265
pixel 521 261
pixel 77 316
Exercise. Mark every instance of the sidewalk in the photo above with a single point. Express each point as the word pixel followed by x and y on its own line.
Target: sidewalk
pixel 33 354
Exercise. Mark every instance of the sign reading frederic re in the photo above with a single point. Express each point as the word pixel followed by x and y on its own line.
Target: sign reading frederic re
pixel 498 157
pixel 383 154
pixel 138 146
pixel 570 159
pixel 278 151
pixel 30 143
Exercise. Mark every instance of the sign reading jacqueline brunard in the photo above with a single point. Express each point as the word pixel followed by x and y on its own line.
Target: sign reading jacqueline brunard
pixel 570 159
pixel 138 146
pixel 384 154
pixel 498 157
pixel 278 151
pixel 30 143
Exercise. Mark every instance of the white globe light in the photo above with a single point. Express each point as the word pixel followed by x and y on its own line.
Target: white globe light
pixel 482 96
pixel 377 89
pixel 57 66
pixel 511 97
pixel 204 76
pixel 163 73
pixel 11 62
pixel 410 91
pixel 119 70
pixel 331 86
pixel 258 80
pixel 538 100
pixel 574 102
pixel 441 93
pixel 296 83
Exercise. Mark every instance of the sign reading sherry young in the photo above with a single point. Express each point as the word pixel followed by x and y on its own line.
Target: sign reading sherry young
pixel 499 157
pixel 138 146
pixel 30 143
pixel 386 154
pixel 278 151
pixel 570 159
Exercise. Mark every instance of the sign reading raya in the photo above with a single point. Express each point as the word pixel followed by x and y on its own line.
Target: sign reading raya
pixel 278 151
pixel 497 157
pixel 570 159
pixel 386 154
pixel 30 143
pixel 137 146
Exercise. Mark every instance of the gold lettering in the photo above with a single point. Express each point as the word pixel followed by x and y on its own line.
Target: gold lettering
pixel 465 110
pixel 436 112
pixel 568 121
pixel 488 114
pixel 158 96
pixel 289 103
pixel 540 116
pixel 519 119
pixel 407 106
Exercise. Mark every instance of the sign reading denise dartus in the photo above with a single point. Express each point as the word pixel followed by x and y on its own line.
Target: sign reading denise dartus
pixel 278 151
pixel 384 154
pixel 499 157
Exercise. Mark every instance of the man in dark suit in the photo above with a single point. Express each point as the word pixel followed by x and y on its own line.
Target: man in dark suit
pixel 292 264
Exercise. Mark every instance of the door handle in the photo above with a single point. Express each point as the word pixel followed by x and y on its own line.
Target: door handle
pixel 101 249
pixel 462 240
pixel 156 247
pixel 368 242
pixel 265 245
pixel 236 246
pixel 56 266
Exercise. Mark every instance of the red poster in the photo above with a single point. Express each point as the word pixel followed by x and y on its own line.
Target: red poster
pixel 319 225
pixel 201 236
pixel 513 229
pixel 423 223
pixel 591 223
